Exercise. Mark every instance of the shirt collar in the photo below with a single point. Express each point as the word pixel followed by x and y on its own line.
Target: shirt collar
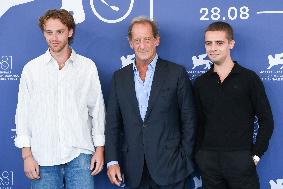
pixel 151 65
pixel 48 57
pixel 236 69
pixel 73 56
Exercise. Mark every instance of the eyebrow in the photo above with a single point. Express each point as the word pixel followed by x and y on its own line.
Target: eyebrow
pixel 55 30
pixel 214 41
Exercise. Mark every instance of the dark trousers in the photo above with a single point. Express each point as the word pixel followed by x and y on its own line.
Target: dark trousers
pixel 227 170
pixel 148 183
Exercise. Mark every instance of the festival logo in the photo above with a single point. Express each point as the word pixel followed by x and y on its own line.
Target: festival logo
pixel 7 179
pixel 274 70
pixel 197 182
pixel 200 66
pixel 200 61
pixel 6 5
pixel 129 60
pixel 278 184
pixel 6 69
pixel 256 127
pixel 77 9
pixel 277 60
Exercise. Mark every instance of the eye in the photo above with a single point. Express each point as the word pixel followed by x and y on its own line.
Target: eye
pixel 207 43
pixel 137 41
pixel 60 31
pixel 219 42
pixel 48 32
pixel 147 39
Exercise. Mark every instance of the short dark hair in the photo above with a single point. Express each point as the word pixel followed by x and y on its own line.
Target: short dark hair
pixel 143 20
pixel 221 26
pixel 63 15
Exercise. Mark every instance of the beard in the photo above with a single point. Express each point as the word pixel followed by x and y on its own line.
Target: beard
pixel 57 47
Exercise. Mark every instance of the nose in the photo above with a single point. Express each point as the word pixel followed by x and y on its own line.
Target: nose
pixel 142 44
pixel 213 47
pixel 54 36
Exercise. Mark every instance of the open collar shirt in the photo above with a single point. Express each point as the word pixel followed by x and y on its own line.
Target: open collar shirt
pixel 143 88
pixel 60 113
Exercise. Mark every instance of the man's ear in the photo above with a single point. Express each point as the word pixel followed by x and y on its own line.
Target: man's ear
pixel 157 41
pixel 71 32
pixel 231 44
pixel 130 43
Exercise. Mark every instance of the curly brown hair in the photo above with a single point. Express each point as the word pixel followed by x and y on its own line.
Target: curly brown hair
pixel 63 15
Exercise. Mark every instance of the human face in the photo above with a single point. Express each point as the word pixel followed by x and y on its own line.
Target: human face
pixel 56 35
pixel 143 43
pixel 218 47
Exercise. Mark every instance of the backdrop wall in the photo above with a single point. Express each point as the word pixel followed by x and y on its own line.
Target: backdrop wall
pixel 102 36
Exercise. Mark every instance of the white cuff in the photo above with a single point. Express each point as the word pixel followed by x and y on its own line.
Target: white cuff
pixel 22 141
pixel 112 163
pixel 256 158
pixel 99 140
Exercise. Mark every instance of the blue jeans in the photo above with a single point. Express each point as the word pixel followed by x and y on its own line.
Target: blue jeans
pixel 72 175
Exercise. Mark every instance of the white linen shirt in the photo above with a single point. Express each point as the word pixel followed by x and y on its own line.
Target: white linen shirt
pixel 60 113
